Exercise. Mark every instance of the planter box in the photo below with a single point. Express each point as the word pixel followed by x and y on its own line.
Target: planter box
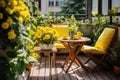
pixel 86 29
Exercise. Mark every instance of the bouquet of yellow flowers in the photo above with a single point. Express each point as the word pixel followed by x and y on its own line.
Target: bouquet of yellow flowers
pixel 13 38
pixel 45 35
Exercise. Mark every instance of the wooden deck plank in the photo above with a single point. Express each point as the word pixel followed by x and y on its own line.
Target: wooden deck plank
pixel 35 72
pixel 75 72
pixel 40 71
pixel 59 71
pixel 46 68
pixel 65 75
pixel 98 74
pixel 83 72
pixel 54 72
pixel 101 73
pixel 91 75
pixel 72 74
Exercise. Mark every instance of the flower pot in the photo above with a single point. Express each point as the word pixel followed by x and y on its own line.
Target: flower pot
pixel 117 69
pixel 46 46
pixel 86 29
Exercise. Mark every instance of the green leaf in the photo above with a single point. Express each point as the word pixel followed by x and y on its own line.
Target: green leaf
pixel 26 38
pixel 31 59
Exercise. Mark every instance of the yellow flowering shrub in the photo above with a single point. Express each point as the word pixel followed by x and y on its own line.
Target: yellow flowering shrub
pixel 11 34
pixel 14 56
pixel 35 55
pixel 45 35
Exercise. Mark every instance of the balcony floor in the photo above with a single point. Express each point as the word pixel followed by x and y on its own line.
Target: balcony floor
pixel 40 71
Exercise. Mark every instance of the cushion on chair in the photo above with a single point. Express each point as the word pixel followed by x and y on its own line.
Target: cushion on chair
pixel 90 49
pixel 63 30
pixel 102 43
pixel 105 39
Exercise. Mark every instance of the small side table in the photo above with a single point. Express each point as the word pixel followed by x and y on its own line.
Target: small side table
pixel 53 51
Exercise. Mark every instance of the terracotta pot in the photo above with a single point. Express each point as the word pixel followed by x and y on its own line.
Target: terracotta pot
pixel 117 69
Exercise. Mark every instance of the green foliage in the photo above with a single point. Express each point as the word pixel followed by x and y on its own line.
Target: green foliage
pixel 74 7
pixel 47 21
pixel 72 24
pixel 115 53
pixel 58 20
pixel 35 21
pixel 32 6
pixel 100 23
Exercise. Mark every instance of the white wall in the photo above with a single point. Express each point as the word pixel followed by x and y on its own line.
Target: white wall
pixel 104 7
pixel 95 5
pixel 44 7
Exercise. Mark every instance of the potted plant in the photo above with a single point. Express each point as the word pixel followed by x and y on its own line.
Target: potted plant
pixel 45 36
pixel 72 31
pixel 86 26
pixel 115 57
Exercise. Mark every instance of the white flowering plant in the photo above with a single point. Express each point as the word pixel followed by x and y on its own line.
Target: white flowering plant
pixel 14 41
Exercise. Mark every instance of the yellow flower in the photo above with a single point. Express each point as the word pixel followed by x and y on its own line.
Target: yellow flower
pixel 95 13
pixel 2 3
pixel 35 55
pixel 22 13
pixel 20 20
pixel 115 9
pixel 5 25
pixel 10 21
pixel 47 36
pixel 9 10
pixel 17 9
pixel 13 3
pixel 1 15
pixel 51 31
pixel 28 15
pixel 11 34
pixel 44 35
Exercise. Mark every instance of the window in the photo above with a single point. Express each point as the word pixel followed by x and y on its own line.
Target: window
pixel 51 2
pixel 58 2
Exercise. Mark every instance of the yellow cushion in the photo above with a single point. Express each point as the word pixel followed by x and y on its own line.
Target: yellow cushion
pixel 90 49
pixel 105 39
pixel 59 45
pixel 63 30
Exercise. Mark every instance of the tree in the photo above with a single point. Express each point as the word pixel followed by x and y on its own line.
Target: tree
pixel 74 7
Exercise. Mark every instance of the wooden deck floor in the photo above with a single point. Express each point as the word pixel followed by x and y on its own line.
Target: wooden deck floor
pixel 40 71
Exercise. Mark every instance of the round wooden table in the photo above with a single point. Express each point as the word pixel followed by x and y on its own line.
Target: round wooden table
pixel 74 48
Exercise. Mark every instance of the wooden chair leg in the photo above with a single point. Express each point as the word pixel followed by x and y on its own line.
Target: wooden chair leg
pixel 100 62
